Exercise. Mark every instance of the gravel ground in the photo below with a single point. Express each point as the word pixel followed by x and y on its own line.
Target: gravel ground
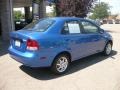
pixel 96 72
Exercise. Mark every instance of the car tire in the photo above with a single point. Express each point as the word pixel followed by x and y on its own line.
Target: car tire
pixel 60 64
pixel 108 49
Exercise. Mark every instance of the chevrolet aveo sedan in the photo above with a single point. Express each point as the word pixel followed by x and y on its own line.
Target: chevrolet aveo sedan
pixel 56 42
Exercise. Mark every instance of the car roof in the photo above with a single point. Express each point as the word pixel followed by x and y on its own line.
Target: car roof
pixel 67 18
pixel 71 18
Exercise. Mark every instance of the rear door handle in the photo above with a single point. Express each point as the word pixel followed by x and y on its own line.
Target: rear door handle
pixel 94 39
pixel 67 39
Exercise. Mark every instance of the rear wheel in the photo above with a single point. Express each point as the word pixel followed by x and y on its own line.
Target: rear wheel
pixel 108 49
pixel 60 64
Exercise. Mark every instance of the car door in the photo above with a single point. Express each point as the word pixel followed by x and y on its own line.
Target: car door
pixel 71 36
pixel 94 41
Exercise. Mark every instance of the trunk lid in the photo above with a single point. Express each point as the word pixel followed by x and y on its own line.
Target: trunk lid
pixel 19 39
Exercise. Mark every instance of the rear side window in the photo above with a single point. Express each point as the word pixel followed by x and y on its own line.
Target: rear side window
pixel 89 27
pixel 71 27
pixel 40 25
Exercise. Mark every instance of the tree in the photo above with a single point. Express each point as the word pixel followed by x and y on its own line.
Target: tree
pixel 100 11
pixel 18 15
pixel 77 8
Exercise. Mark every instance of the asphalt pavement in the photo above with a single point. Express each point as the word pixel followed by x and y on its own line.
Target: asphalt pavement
pixel 95 72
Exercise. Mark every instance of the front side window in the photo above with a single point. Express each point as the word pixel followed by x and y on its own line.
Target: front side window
pixel 71 27
pixel 89 27
pixel 40 25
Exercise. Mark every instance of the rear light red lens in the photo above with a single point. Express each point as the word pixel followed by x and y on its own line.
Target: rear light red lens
pixel 32 45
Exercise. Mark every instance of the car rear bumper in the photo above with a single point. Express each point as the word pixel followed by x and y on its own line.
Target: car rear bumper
pixel 29 59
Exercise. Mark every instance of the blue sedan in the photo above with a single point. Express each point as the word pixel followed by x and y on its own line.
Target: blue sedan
pixel 56 42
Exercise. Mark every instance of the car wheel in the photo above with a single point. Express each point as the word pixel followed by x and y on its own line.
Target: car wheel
pixel 108 49
pixel 60 64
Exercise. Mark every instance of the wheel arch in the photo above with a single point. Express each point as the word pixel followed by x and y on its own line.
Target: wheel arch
pixel 110 41
pixel 64 53
pixel 53 66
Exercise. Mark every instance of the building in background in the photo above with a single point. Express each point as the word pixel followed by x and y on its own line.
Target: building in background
pixel 118 17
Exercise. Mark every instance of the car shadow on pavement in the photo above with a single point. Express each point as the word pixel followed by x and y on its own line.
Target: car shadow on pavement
pixel 46 74
pixel 3 47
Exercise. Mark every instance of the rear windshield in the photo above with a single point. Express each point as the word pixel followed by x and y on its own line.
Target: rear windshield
pixel 40 25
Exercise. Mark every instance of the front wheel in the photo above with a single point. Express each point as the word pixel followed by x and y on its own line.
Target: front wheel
pixel 60 64
pixel 108 49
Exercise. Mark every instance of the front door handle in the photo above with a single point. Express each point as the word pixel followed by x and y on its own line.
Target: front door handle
pixel 67 39
pixel 94 39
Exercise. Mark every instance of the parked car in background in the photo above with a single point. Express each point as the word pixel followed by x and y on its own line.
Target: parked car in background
pixel 110 22
pixel 117 21
pixel 20 24
pixel 56 42
pixel 104 21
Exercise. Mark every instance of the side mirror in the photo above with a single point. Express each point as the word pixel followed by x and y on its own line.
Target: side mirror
pixel 101 31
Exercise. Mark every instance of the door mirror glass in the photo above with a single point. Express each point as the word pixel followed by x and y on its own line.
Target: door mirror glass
pixel 101 31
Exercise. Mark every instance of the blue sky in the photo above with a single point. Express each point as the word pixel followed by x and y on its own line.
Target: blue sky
pixel 115 5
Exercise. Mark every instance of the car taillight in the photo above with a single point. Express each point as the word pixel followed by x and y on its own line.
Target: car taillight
pixel 32 45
